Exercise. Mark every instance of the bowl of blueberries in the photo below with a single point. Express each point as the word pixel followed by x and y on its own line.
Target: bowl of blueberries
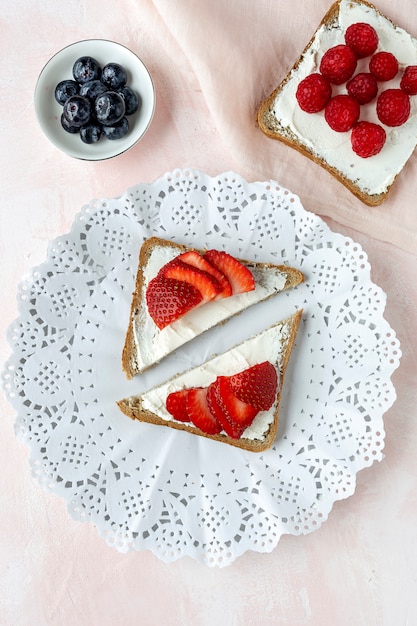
pixel 94 99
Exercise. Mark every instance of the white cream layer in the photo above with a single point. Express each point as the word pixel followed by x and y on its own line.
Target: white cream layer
pixel 375 174
pixel 269 345
pixel 153 344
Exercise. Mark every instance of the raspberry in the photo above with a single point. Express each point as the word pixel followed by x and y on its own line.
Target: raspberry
pixel 342 113
pixel 393 107
pixel 313 93
pixel 363 87
pixel 383 65
pixel 362 39
pixel 409 80
pixel 338 64
pixel 367 139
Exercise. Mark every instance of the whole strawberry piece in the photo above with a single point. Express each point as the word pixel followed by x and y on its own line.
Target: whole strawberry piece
pixel 393 107
pixel 176 405
pixel 257 385
pixel 384 66
pixel 367 139
pixel 313 93
pixel 169 299
pixel 363 87
pixel 338 64
pixel 362 39
pixel 409 80
pixel 342 113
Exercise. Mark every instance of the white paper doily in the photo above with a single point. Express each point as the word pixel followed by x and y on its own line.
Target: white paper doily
pixel 150 487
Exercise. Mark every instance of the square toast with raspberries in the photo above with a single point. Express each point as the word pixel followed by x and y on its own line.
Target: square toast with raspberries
pixel 349 103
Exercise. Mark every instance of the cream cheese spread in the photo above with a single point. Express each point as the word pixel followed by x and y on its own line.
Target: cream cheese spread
pixel 269 345
pixel 373 175
pixel 153 344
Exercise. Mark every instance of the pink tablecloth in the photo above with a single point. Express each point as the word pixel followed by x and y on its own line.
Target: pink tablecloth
pixel 212 63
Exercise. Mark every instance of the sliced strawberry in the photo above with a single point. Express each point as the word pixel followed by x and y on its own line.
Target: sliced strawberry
pixel 233 414
pixel 238 275
pixel 238 412
pixel 176 405
pixel 217 410
pixel 207 285
pixel 170 299
pixel 256 385
pixel 196 260
pixel 199 412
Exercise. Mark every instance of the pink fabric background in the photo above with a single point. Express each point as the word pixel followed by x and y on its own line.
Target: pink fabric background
pixel 212 64
pixel 250 46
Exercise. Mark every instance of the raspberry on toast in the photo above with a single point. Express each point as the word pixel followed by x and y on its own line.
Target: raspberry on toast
pixel 368 164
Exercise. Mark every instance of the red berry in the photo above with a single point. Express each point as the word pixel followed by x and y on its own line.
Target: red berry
pixel 238 275
pixel 409 80
pixel 192 257
pixel 342 113
pixel 218 410
pixel 362 39
pixel 367 139
pixel 257 385
pixel 363 87
pixel 313 93
pixel 384 66
pixel 169 299
pixel 233 414
pixel 199 412
pixel 176 405
pixel 338 64
pixel 207 285
pixel 393 107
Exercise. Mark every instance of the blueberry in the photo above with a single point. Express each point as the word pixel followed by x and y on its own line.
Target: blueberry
pixel 77 110
pixel 67 126
pixel 109 108
pixel 85 69
pixel 114 75
pixel 131 99
pixel 90 133
pixel 92 89
pixel 96 102
pixel 64 90
pixel 118 130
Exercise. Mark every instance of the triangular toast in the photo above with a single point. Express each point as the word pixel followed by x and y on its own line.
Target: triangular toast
pixel 273 344
pixel 145 345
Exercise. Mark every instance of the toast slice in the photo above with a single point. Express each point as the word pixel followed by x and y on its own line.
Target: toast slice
pixel 273 344
pixel 145 344
pixel 279 116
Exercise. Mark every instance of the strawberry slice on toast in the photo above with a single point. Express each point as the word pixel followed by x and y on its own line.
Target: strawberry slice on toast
pixel 238 394
pixel 193 258
pixel 238 275
pixel 174 283
pixel 168 299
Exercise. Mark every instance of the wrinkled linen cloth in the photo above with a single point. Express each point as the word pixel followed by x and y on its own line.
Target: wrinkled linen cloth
pixel 239 51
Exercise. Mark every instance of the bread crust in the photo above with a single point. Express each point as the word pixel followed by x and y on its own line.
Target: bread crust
pixel 293 278
pixel 129 347
pixel 270 126
pixel 132 407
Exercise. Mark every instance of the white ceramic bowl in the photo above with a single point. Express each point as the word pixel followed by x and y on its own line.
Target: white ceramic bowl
pixel 59 68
